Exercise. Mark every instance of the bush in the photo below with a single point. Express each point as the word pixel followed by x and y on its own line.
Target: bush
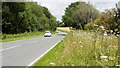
pixel 4 36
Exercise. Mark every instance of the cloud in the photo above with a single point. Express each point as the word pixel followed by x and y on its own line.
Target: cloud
pixel 101 6
pixel 102 0
pixel 56 8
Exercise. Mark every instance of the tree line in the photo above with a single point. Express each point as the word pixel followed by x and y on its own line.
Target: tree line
pixel 81 15
pixel 20 17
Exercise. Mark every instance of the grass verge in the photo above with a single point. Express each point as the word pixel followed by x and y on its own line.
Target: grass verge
pixel 51 56
pixel 13 37
pixel 83 48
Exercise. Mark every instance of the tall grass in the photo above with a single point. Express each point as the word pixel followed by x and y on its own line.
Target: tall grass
pixel 86 49
pixel 83 48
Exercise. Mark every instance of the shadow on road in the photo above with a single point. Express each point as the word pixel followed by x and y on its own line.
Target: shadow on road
pixel 61 34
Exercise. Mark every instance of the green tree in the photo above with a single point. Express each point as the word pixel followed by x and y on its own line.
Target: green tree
pixel 78 14
pixel 118 16
pixel 9 16
pixel 51 24
pixel 20 17
pixel 108 19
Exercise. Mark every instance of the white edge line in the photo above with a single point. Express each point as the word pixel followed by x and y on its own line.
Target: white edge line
pixel 43 54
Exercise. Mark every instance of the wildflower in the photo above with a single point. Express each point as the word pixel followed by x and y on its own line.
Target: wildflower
pixel 105 60
pixel 80 42
pixel 105 33
pixel 89 33
pixel 111 58
pixel 104 57
pixel 72 65
pixel 57 58
pixel 102 27
pixel 81 46
pixel 52 63
pixel 118 65
pixel 95 25
pixel 111 31
pixel 110 45
pixel 117 35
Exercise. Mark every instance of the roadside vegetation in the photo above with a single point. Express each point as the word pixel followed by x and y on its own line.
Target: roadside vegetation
pixel 84 16
pixel 93 40
pixel 83 48
pixel 13 37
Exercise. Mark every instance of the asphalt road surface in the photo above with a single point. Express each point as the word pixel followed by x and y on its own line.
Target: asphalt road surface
pixel 26 52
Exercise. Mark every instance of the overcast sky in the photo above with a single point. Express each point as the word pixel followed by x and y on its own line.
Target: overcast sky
pixel 57 7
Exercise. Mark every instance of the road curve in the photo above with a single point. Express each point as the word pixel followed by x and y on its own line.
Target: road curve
pixel 25 52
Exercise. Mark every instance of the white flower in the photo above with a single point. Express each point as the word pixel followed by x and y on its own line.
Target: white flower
pixel 111 58
pixel 102 27
pixel 52 63
pixel 110 45
pixel 105 33
pixel 72 65
pixel 89 33
pixel 81 46
pixel 80 42
pixel 111 31
pixel 118 65
pixel 117 35
pixel 104 57
pixel 105 60
pixel 95 25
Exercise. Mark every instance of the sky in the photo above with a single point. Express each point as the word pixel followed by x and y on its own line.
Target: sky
pixel 57 7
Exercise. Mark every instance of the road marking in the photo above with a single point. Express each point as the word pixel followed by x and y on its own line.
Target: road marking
pixel 10 48
pixel 43 54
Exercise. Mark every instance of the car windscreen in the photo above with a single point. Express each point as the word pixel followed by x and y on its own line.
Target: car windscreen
pixel 47 32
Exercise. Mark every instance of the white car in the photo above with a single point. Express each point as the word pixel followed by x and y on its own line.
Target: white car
pixel 47 34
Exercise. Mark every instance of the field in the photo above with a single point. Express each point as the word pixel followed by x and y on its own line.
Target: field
pixel 83 48
pixel 64 28
pixel 13 37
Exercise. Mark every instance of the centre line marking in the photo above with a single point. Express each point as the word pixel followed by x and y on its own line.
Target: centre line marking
pixel 10 48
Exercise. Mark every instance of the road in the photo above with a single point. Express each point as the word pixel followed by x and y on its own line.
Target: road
pixel 26 52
